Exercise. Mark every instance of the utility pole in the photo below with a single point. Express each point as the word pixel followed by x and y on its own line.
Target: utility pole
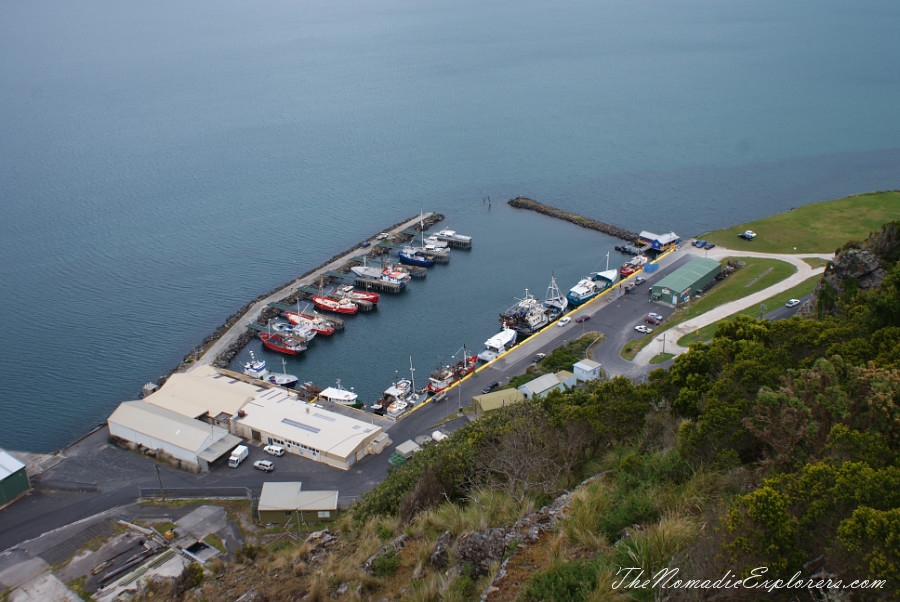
pixel 159 478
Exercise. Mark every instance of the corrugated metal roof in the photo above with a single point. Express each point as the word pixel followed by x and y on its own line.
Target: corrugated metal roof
pixel 688 274
pixel 9 465
pixel 203 391
pixel 279 497
pixel 167 426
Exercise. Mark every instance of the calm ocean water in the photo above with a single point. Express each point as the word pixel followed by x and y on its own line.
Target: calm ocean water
pixel 164 163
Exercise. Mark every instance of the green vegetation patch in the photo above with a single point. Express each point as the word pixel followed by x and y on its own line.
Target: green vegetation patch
pixel 815 228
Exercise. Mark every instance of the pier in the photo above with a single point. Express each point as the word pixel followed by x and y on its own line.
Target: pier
pixel 526 203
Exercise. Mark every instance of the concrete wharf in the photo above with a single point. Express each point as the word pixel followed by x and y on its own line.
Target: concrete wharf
pixel 380 286
pixel 455 243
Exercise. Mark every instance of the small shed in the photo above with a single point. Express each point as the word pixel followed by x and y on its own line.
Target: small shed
pixel 488 402
pixel 691 278
pixel 283 502
pixel 408 448
pixel 13 478
pixel 542 385
pixel 659 242
pixel 586 370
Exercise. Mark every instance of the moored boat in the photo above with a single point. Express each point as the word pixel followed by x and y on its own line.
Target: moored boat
pixel 527 316
pixel 348 292
pixel 341 306
pixel 302 330
pixel 498 343
pixel 447 234
pixel 415 256
pixel 318 323
pixel 445 376
pixel 283 343
pixel 338 394
pixel 633 265
pixel 555 302
pixel 584 291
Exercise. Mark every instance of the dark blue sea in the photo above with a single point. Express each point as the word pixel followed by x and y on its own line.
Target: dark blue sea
pixel 163 163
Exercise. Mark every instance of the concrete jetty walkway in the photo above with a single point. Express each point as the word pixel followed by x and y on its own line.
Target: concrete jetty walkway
pixel 308 279
pixel 670 336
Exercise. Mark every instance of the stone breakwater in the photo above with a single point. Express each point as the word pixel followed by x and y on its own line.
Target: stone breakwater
pixel 290 297
pixel 526 203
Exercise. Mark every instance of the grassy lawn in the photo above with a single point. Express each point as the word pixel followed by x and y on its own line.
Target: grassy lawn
pixel 817 228
pixel 758 273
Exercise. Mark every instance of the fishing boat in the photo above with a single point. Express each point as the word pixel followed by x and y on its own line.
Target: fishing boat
pixel 257 369
pixel 606 278
pixel 445 376
pixel 348 292
pixel 555 302
pixel 338 394
pixel 633 265
pixel 302 330
pixel 341 306
pixel 283 343
pixel 584 291
pixel 436 242
pixel 384 274
pixel 402 391
pixel 415 256
pixel 498 343
pixel 315 321
pixel 527 316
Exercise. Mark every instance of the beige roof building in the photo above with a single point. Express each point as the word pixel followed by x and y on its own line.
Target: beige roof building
pixel 205 391
pixel 495 400
pixel 279 417
pixel 281 502
pixel 194 444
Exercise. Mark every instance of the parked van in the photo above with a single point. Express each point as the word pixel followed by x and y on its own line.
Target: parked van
pixel 238 455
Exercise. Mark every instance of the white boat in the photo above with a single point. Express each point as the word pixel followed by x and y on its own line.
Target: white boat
pixel 498 343
pixel 257 369
pixel 397 408
pixel 447 234
pixel 303 330
pixel 555 302
pixel 386 274
pixel 338 394
pixel 435 242
pixel 592 285
pixel 366 271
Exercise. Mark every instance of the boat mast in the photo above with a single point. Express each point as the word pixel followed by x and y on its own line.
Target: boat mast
pixel 412 375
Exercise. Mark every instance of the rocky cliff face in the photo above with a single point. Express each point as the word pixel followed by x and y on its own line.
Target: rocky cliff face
pixel 861 266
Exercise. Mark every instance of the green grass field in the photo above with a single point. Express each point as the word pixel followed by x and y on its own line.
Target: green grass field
pixel 816 228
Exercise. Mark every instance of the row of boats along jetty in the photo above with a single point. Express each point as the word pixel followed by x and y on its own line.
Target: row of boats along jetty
pixel 526 317
pixel 293 335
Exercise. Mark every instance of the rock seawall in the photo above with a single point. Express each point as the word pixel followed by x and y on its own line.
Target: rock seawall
pixel 532 205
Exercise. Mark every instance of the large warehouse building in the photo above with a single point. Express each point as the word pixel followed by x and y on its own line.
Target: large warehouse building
pixel 691 278
pixel 197 417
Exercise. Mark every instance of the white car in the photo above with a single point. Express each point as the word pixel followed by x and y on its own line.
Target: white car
pixel 792 303
pixel 274 450
pixel 264 465
pixel 643 329
pixel 564 321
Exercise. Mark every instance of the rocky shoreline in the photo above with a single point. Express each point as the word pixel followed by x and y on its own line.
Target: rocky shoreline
pixel 532 205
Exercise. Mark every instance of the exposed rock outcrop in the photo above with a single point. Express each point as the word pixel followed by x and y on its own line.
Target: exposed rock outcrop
pixel 860 266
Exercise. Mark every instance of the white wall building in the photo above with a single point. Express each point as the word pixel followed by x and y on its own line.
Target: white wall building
pixel 192 443
pixel 586 370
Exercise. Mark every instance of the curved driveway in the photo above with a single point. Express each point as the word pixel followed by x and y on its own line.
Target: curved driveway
pixel 669 337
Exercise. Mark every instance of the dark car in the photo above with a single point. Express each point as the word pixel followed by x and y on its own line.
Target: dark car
pixel 583 318
pixel 640 280
pixel 628 287
pixel 491 387
pixel 652 320
pixel 699 243
pixel 709 246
